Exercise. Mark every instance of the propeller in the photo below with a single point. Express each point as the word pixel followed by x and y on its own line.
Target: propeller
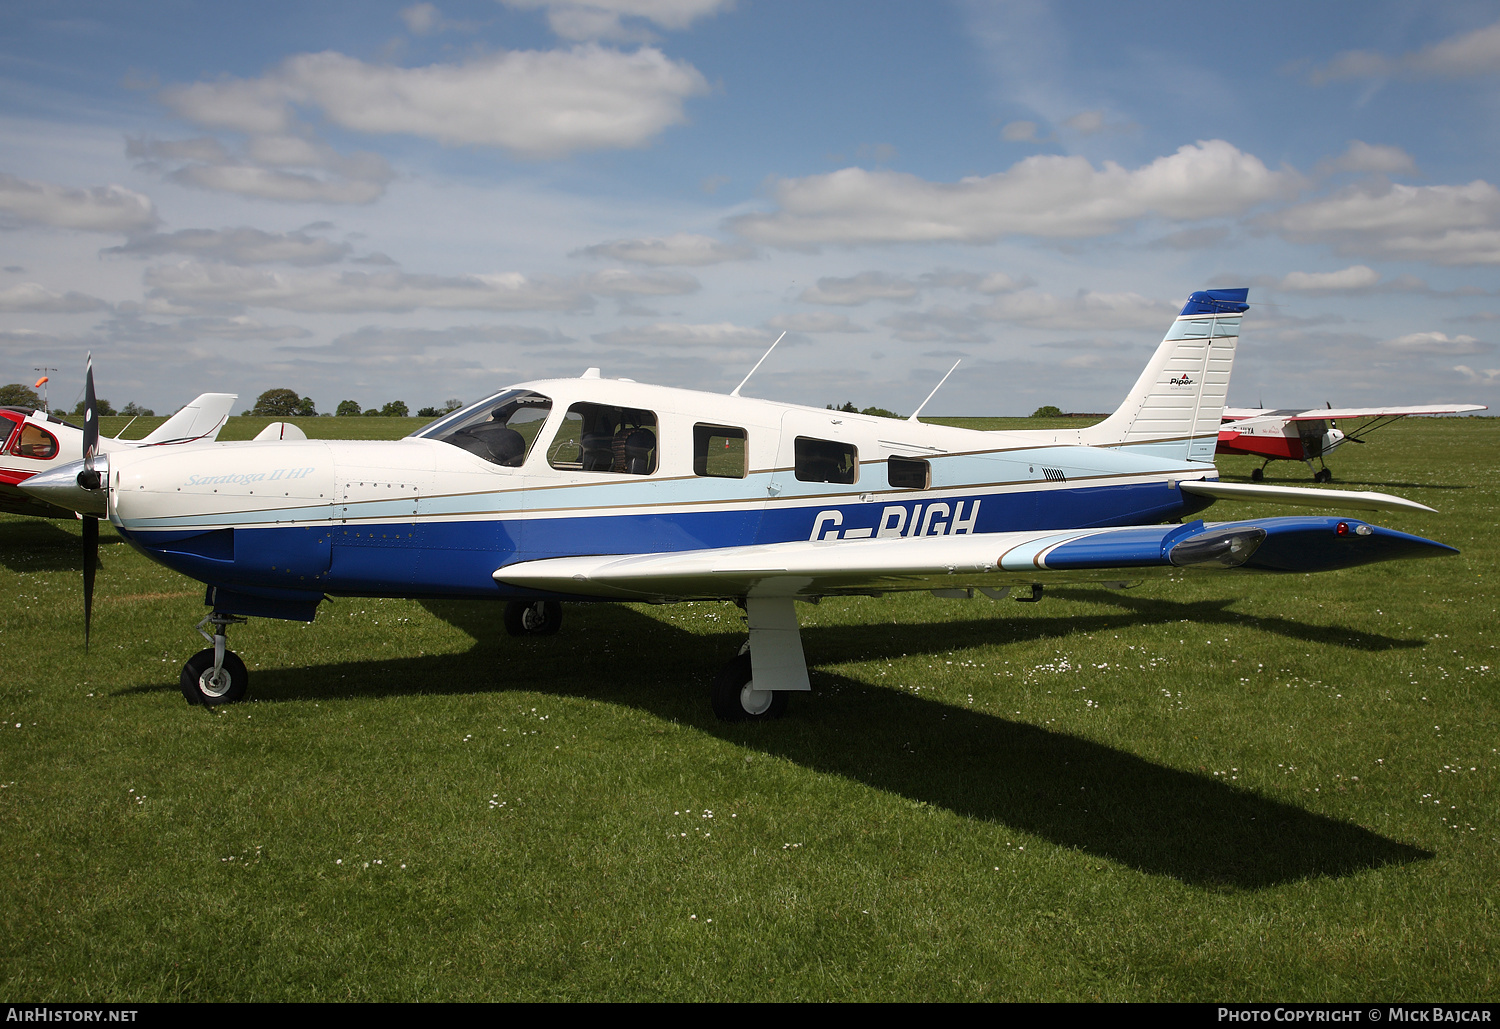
pixel 89 480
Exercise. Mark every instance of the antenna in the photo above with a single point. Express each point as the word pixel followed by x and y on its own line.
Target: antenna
pixel 934 391
pixel 736 391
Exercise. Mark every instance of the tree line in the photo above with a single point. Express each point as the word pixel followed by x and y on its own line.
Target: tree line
pixel 285 403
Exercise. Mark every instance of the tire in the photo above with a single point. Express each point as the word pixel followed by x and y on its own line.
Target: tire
pixel 1323 476
pixel 198 690
pixel 734 699
pixel 533 617
pixel 1257 474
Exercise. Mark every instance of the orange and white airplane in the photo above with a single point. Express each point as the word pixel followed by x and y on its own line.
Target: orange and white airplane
pixel 1292 435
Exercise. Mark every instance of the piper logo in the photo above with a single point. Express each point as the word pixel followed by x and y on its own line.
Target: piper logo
pixel 1181 380
pixel 936 519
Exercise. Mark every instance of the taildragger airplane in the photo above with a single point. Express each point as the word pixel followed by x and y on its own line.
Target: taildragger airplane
pixel 595 489
pixel 1309 435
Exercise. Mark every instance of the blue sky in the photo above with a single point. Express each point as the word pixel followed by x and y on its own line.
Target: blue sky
pixel 421 201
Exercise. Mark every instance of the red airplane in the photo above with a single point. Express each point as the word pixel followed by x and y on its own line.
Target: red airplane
pixel 1291 435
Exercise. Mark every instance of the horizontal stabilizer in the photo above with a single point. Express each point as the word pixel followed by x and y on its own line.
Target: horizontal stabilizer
pixel 279 431
pixel 1343 500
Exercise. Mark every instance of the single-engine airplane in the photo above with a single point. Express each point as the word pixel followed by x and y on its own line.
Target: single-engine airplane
pixel 595 489
pixel 35 442
pixel 1293 435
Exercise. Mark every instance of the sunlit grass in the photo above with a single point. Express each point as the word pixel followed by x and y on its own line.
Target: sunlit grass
pixel 1269 787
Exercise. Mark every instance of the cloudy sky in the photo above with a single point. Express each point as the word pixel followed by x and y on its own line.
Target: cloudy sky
pixel 378 201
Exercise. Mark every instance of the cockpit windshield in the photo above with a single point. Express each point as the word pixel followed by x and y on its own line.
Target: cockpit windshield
pixel 500 429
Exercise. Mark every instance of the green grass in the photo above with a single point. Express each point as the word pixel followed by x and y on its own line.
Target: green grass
pixel 1220 788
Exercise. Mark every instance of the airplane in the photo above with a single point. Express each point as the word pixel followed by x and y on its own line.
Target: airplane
pixel 1292 435
pixel 35 442
pixel 596 489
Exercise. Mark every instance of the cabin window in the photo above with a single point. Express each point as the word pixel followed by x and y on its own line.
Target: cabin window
pixel 501 429
pixel 35 442
pixel 720 451
pixel 605 438
pixel 906 473
pixel 823 460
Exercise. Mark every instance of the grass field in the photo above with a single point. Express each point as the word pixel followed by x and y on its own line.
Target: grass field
pixel 1222 788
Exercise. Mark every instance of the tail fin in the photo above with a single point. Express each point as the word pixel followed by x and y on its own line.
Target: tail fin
pixel 1177 403
pixel 201 419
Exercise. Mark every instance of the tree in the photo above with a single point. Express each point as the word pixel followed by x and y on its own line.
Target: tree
pixel 278 403
pixel 1047 412
pixel 370 412
pixel 452 404
pixel 306 408
pixel 428 412
pixel 395 409
pixel 879 412
pixel 17 395
pixel 136 411
pixel 105 407
pixel 348 408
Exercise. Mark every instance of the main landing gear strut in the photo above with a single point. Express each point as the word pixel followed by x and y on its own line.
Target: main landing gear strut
pixel 756 685
pixel 215 675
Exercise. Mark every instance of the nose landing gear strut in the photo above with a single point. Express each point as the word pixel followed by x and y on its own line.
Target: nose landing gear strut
pixel 215 675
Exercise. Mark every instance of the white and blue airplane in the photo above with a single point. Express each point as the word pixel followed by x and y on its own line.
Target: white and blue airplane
pixel 597 489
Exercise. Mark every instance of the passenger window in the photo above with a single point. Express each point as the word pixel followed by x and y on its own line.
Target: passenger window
pixel 905 473
pixel 720 451
pixel 603 438
pixel 821 460
pixel 501 430
pixel 36 443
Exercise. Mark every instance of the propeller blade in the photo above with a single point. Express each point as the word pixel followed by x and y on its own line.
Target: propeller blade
pixel 88 478
pixel 90 565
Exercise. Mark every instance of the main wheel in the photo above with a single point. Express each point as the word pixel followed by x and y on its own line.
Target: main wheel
pixel 533 618
pixel 201 686
pixel 1257 474
pixel 1323 475
pixel 735 698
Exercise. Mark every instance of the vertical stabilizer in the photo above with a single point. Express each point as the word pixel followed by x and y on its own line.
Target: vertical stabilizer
pixel 1176 405
pixel 201 419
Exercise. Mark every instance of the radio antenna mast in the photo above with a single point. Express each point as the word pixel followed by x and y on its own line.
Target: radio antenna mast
pixel 736 391
pixel 934 391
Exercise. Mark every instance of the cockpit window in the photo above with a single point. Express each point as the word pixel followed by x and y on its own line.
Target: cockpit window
pixel 603 438
pixel 501 429
pixel 34 442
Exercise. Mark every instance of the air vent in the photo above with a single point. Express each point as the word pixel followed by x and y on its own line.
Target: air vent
pixel 1054 475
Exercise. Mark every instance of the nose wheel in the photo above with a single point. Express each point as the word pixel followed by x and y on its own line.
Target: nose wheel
pixel 533 618
pixel 215 675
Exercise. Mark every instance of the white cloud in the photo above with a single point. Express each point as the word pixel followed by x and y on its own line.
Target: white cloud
pixel 191 284
pixel 1487 377
pixel 1019 132
pixel 679 334
pixel 1466 54
pixel 935 324
pixel 1451 225
pixel 859 289
pixel 601 19
pixel 100 209
pixel 533 103
pixel 1437 343
pixel 130 326
pixel 1376 158
pixel 681 249
pixel 1356 278
pixel 34 298
pixel 1084 310
pixel 1043 195
pixel 815 321
pixel 421 18
pixel 618 282
pixel 1086 122
pixel 243 245
pixel 271 167
pixel 375 340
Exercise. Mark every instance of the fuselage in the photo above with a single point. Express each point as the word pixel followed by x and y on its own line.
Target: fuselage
pixel 590 466
pixel 1276 437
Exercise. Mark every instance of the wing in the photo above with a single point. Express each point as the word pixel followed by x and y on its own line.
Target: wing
pixel 1318 415
pixel 990 560
pixel 1350 500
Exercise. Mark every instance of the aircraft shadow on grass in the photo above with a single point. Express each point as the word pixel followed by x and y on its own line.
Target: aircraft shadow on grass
pixel 41 545
pixel 1072 791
